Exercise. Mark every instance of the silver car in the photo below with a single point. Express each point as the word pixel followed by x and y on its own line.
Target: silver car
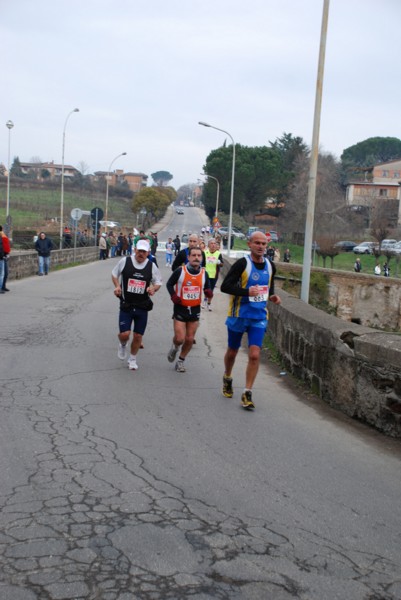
pixel 365 248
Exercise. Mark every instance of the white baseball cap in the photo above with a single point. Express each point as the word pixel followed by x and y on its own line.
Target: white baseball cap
pixel 143 245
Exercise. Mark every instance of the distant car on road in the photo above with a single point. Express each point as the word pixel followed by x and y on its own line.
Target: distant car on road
pixel 234 231
pixel 365 248
pixel 345 246
pixel 179 211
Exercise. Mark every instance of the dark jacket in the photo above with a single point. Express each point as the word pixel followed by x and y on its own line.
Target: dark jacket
pixel 43 247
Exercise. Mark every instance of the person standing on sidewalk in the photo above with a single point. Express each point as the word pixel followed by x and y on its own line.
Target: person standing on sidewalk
pixel 43 246
pixel 5 250
pixel 135 280
pixel 185 287
pixel 170 246
pixel 250 283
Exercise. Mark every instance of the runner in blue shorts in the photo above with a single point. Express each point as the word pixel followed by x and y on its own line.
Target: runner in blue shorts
pixel 250 283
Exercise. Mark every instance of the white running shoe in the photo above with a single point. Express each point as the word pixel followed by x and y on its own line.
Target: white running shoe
pixel 179 366
pixel 132 364
pixel 122 351
pixel 209 307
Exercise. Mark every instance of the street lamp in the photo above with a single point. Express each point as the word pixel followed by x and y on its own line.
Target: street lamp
pixel 230 218
pixel 62 180
pixel 218 193
pixel 10 125
pixel 107 187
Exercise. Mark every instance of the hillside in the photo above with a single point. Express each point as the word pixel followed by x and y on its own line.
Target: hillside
pixel 38 206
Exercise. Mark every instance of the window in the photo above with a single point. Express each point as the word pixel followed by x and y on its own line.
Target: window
pixel 383 193
pixel 396 174
pixel 384 173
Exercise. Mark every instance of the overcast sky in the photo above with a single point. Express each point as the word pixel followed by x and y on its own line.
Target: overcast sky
pixel 144 72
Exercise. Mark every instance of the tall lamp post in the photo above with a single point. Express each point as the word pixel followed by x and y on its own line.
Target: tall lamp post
pixel 107 188
pixel 62 179
pixel 230 218
pixel 9 125
pixel 218 193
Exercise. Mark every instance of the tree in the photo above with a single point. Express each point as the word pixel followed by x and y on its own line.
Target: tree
pixel 161 178
pixel 16 170
pixel 292 150
pixel 256 175
pixel 152 200
pixel 331 213
pixel 368 153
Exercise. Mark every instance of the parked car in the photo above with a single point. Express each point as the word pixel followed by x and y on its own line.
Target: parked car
pixel 274 237
pixel 234 231
pixel 396 249
pixel 387 244
pixel 345 246
pixel 365 248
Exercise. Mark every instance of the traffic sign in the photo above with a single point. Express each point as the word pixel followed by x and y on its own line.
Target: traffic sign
pixel 97 214
pixel 268 237
pixel 76 214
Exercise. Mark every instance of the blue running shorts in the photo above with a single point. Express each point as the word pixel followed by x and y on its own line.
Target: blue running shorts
pixel 137 315
pixel 237 326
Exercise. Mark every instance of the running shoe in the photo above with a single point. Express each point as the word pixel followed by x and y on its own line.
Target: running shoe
pixel 132 364
pixel 179 366
pixel 227 386
pixel 172 353
pixel 122 351
pixel 246 400
pixel 209 307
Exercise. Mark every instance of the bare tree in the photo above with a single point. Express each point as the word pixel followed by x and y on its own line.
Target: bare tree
pixel 83 167
pixel 332 217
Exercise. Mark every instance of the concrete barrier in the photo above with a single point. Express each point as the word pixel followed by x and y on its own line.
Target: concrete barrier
pixel 24 263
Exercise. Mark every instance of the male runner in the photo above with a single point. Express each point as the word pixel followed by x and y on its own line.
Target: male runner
pixel 182 256
pixel 214 261
pixel 185 287
pixel 250 281
pixel 135 279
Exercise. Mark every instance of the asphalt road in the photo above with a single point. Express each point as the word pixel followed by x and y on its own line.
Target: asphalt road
pixel 121 485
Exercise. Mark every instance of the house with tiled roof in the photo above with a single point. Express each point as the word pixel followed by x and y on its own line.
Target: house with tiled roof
pixel 382 182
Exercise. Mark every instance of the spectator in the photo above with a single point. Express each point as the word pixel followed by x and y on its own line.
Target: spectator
pixel 287 256
pixel 43 246
pixel 358 266
pixel 4 252
pixel 102 247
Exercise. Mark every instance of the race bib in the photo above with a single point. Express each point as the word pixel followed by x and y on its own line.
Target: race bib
pixel 191 292
pixel 211 260
pixel 263 294
pixel 136 286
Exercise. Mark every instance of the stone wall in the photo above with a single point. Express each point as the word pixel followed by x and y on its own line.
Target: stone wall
pixel 353 368
pixel 24 263
pixel 367 299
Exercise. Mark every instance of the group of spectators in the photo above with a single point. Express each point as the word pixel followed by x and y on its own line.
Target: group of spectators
pixel 111 245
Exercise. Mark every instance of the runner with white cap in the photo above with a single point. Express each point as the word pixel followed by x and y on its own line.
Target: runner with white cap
pixel 135 280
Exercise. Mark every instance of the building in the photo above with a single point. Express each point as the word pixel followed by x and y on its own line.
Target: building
pixel 51 170
pixel 382 182
pixel 135 181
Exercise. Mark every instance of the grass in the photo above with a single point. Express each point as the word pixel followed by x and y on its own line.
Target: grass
pixel 343 261
pixel 32 208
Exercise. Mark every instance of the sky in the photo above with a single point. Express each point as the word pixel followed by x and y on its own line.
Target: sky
pixel 143 73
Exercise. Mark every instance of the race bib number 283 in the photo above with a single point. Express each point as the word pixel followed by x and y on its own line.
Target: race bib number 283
pixel 262 296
